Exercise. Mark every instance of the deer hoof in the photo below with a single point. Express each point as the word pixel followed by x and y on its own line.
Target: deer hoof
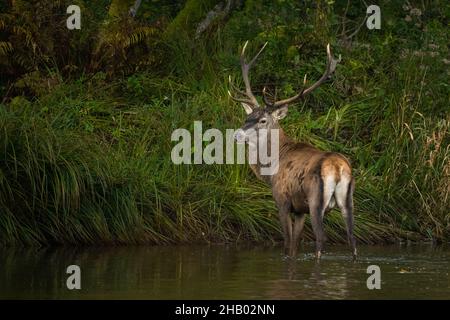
pixel 318 255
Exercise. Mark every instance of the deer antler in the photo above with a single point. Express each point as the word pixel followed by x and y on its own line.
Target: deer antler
pixel 250 98
pixel 331 67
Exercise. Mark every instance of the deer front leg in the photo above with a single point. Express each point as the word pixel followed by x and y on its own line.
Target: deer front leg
pixel 286 227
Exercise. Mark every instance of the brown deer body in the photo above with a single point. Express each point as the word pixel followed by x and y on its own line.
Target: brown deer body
pixel 308 180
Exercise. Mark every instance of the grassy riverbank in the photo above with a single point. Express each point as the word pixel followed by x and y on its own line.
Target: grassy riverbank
pixel 85 154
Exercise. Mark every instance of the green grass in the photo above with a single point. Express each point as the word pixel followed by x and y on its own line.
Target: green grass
pixel 88 160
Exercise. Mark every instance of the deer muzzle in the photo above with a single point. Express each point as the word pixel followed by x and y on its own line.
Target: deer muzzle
pixel 240 136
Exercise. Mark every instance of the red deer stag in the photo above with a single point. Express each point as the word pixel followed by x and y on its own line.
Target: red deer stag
pixel 308 180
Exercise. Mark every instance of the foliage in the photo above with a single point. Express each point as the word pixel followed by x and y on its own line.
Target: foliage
pixel 87 119
pixel 35 40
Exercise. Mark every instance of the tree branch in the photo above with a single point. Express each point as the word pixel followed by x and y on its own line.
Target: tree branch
pixel 219 12
pixel 134 9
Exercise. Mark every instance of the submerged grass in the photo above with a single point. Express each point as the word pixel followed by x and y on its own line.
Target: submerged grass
pixel 89 161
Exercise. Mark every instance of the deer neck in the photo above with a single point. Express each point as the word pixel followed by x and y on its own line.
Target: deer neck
pixel 284 142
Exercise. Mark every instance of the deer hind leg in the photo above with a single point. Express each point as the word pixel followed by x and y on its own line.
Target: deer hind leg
pixel 344 199
pixel 315 193
pixel 299 222
pixel 286 226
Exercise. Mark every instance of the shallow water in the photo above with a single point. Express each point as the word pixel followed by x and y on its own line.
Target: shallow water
pixel 224 272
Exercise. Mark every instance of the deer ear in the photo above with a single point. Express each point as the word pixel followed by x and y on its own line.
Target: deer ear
pixel 280 113
pixel 248 109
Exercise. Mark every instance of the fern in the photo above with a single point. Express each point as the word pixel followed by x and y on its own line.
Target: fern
pixel 139 35
pixel 5 48
pixel 34 37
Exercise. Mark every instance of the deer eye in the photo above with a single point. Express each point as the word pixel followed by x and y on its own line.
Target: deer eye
pixel 263 121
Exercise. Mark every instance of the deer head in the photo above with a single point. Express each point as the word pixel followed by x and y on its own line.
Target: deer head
pixel 268 116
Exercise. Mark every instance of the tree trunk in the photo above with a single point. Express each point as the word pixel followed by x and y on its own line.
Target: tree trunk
pixel 134 9
pixel 189 17
pixel 120 7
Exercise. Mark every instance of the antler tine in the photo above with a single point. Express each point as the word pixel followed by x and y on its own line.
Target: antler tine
pixel 245 69
pixel 246 101
pixel 331 67
pixel 257 55
pixel 266 101
pixel 234 87
pixel 292 99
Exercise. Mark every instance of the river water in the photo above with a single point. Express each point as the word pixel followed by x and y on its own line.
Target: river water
pixel 225 272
